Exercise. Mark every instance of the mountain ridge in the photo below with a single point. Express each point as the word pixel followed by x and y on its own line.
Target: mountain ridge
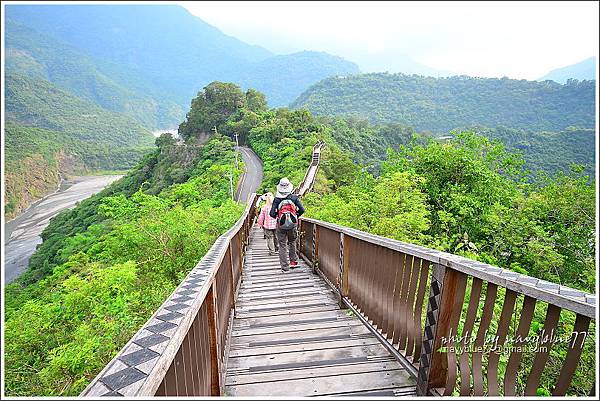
pixel 583 70
pixel 175 50
pixel 442 104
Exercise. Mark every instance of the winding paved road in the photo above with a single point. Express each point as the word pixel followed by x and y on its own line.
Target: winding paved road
pixel 22 234
pixel 253 176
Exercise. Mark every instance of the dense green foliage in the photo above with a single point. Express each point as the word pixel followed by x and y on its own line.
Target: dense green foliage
pixel 469 196
pixel 106 265
pixel 38 103
pixel 283 139
pixel 443 104
pixel 215 104
pixel 550 152
pixel 167 52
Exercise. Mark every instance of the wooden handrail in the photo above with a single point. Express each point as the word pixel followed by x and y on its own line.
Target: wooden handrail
pixel 393 285
pixel 180 350
pixel 305 186
pixel 564 297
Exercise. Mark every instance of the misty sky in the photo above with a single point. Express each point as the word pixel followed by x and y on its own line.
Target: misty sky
pixel 488 39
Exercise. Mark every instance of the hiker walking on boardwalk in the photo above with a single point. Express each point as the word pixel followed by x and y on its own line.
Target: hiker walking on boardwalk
pixel 268 224
pixel 286 209
pixel 260 199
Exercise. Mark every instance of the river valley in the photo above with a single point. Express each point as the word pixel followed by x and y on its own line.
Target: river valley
pixel 22 234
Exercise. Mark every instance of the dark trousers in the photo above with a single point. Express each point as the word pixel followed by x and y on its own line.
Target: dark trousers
pixel 286 240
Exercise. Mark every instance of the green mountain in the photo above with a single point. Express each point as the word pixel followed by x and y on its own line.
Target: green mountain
pixel 39 103
pixel 36 159
pixel 550 152
pixel 585 69
pixel 442 104
pixel 50 132
pixel 106 75
pixel 112 87
pixel 175 51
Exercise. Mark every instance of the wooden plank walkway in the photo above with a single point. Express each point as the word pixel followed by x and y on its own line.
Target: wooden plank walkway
pixel 290 338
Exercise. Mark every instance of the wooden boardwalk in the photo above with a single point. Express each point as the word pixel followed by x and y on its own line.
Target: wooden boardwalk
pixel 290 338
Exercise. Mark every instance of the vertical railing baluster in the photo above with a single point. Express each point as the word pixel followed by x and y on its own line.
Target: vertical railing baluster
pixel 541 357
pixel 215 358
pixel 433 368
pixel 315 250
pixel 580 331
pixel 455 310
pixel 343 274
pixel 505 317
pixel 512 366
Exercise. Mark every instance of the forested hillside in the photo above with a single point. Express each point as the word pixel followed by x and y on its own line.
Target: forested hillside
pixel 110 86
pixel 442 104
pixel 35 160
pixel 38 103
pixel 50 132
pixel 550 152
pixel 165 51
pixel 106 265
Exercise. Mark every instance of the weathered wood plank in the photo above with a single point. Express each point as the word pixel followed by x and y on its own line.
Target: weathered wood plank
pixel 275 361
pixel 299 335
pixel 326 385
pixel 310 308
pixel 317 371
pixel 285 348
pixel 255 303
pixel 335 323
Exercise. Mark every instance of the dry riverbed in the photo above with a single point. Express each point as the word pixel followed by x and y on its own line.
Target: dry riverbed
pixel 22 234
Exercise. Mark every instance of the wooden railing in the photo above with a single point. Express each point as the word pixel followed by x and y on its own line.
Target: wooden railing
pixel 181 350
pixel 417 299
pixel 308 181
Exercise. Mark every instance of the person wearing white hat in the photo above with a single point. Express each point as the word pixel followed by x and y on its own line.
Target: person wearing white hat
pixel 286 208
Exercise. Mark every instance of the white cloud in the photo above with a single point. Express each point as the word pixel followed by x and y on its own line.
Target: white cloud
pixel 519 40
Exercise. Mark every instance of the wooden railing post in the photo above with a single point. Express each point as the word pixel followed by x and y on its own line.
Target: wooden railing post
pixel 433 366
pixel 233 283
pixel 342 281
pixel 315 248
pixel 215 360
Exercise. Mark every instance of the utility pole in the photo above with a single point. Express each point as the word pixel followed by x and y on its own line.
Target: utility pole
pixel 237 149
pixel 231 184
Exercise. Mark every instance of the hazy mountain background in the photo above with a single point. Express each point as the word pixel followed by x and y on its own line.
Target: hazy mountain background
pixel 95 81
pixel 86 84
pixel 164 52
pixel 585 69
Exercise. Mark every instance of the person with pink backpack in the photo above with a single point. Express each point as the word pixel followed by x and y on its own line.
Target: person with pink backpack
pixel 286 208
